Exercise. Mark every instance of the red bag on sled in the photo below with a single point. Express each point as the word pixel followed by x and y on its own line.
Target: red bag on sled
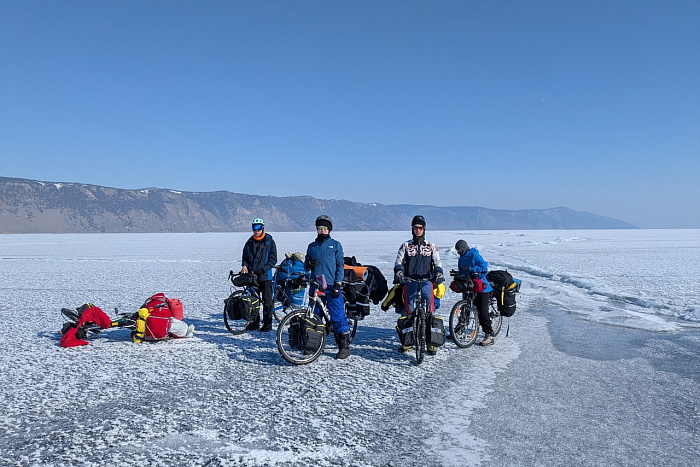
pixel 175 308
pixel 158 320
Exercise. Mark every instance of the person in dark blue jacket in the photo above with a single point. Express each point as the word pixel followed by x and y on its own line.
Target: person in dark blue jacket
pixel 472 265
pixel 259 257
pixel 324 257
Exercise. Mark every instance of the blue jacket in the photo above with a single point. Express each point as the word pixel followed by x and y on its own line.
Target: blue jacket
pixel 472 262
pixel 329 253
pixel 260 257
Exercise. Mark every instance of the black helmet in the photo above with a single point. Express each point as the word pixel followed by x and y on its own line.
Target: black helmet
pixel 418 220
pixel 324 221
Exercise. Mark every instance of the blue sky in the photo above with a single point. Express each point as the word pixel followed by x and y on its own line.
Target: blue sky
pixel 592 105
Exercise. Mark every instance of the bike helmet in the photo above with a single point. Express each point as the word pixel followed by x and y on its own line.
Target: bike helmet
pixel 324 221
pixel 418 220
pixel 259 222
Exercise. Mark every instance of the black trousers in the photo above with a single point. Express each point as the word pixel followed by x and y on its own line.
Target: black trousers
pixel 264 289
pixel 482 307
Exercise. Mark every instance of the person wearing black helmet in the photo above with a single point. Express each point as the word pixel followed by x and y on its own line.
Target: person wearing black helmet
pixel 324 257
pixel 418 259
pixel 259 257
pixel 472 265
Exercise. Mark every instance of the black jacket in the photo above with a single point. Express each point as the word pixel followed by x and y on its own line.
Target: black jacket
pixel 260 257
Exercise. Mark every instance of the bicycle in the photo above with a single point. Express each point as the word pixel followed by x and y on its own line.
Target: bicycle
pixel 292 343
pixel 420 319
pixel 122 320
pixel 464 318
pixel 237 327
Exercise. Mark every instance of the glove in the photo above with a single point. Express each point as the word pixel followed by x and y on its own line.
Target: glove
pixel 399 277
pixel 335 291
pixel 260 272
pixel 438 278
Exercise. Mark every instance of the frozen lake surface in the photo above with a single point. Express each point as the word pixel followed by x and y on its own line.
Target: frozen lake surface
pixel 600 366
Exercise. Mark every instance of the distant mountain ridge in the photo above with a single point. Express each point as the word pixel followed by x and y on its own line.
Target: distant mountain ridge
pixel 31 206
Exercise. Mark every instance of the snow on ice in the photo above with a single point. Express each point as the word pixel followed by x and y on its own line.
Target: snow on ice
pixel 600 366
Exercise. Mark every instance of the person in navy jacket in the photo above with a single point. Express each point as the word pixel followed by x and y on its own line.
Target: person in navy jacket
pixel 259 257
pixel 324 257
pixel 472 265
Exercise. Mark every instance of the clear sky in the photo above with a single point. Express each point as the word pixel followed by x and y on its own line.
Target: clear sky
pixel 592 105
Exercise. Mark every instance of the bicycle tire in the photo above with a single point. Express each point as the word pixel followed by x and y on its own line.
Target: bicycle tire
pixel 70 315
pixel 294 354
pixel 496 318
pixel 464 324
pixel 352 322
pixel 419 335
pixel 235 326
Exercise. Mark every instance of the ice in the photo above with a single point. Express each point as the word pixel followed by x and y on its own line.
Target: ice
pixel 603 347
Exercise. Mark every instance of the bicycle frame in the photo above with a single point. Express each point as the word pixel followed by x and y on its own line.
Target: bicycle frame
pixel 420 319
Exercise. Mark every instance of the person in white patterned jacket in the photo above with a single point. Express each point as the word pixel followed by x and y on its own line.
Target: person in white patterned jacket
pixel 418 259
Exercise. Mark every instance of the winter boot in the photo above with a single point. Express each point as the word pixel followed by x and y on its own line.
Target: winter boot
pixel 343 346
pixel 488 340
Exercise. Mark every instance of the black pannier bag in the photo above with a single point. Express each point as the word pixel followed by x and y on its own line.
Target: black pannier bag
pixel 437 331
pixel 356 294
pixel 245 307
pixel 504 288
pixel 506 302
pixel 312 331
pixel 231 306
pixel 296 330
pixel 249 307
pixel 404 328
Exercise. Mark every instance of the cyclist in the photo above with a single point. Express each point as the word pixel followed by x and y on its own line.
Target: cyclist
pixel 418 259
pixel 471 264
pixel 259 257
pixel 324 257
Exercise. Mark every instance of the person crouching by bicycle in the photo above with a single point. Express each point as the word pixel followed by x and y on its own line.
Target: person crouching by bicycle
pixel 472 265
pixel 324 257
pixel 259 257
pixel 418 259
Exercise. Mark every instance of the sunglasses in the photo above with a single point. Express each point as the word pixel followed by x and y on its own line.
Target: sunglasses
pixel 322 228
pixel 417 227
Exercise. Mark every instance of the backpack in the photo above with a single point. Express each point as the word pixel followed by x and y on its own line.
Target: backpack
pixel 157 319
pixel 291 276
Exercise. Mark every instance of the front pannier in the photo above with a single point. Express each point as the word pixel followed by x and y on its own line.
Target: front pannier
pixel 404 328
pixel 437 331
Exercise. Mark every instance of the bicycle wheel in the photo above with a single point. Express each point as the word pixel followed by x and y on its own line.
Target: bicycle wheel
pixel 496 318
pixel 234 326
pixel 419 335
pixel 352 322
pixel 464 324
pixel 291 343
